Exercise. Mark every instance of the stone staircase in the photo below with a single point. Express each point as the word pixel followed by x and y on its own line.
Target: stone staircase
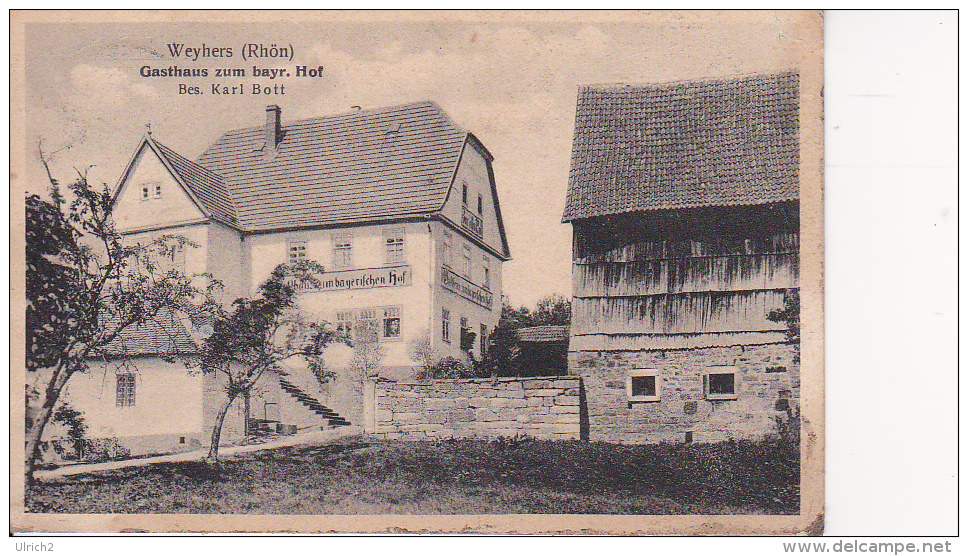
pixel 334 419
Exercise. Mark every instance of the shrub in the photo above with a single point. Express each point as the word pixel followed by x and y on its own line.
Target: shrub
pixel 446 368
pixel 97 450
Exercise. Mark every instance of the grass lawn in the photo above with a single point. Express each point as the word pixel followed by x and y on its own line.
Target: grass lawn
pixel 366 476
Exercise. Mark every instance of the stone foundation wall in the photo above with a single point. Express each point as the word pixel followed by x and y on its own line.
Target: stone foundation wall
pixel 545 408
pixel 768 388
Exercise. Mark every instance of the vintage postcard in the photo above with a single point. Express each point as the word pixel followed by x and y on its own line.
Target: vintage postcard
pixel 480 272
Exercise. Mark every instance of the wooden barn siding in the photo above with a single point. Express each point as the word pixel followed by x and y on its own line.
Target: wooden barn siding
pixel 695 274
pixel 684 285
pixel 590 247
pixel 693 312
pixel 639 342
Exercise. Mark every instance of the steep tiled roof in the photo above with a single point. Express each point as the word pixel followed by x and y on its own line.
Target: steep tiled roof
pixel 382 163
pixel 547 333
pixel 689 144
pixel 163 335
pixel 208 187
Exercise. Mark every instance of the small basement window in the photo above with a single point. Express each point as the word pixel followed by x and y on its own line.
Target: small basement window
pixel 642 385
pixel 719 383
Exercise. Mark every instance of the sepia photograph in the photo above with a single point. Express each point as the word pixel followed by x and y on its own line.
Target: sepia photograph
pixel 479 272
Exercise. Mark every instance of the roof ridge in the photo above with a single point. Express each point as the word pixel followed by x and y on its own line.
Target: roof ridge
pixel 679 82
pixel 361 112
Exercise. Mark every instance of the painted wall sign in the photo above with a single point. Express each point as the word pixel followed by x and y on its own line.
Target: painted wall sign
pixel 465 288
pixel 362 279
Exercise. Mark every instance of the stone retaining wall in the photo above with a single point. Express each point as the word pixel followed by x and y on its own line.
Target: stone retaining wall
pixel 546 408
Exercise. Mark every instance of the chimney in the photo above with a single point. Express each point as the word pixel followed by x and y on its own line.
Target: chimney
pixel 273 127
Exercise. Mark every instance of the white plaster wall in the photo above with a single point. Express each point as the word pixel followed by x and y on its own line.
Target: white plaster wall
pixel 168 400
pixel 473 170
pixel 196 257
pixel 457 304
pixel 225 260
pixel 266 251
pixel 174 205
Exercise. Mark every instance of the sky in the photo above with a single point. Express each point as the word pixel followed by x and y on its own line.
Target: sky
pixel 513 84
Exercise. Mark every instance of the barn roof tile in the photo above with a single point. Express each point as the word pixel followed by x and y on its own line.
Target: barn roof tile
pixel 681 145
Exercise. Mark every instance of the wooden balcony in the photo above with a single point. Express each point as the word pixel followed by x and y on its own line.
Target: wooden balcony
pixel 472 223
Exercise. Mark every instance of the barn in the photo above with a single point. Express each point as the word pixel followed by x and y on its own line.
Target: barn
pixel 684 204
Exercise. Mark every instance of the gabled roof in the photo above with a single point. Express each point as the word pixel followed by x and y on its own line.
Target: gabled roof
pixel 680 145
pixel 206 189
pixel 547 333
pixel 164 334
pixel 373 164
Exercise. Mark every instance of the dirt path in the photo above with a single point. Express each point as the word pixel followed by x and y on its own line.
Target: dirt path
pixel 309 438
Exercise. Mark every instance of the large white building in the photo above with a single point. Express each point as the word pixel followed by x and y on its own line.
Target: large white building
pixel 398 204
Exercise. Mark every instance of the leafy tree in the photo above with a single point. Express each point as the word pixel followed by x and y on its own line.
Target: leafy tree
pixel 502 352
pixel 790 315
pixel 84 289
pixel 73 420
pixel 368 352
pixel 258 335
pixel 552 310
